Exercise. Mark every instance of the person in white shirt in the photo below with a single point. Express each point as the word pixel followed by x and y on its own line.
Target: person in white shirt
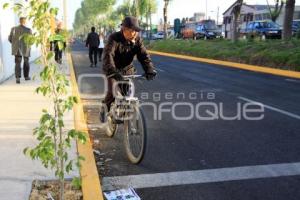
pixel 101 45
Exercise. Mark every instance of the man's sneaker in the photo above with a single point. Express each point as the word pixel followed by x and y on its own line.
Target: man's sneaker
pixel 18 81
pixel 27 79
pixel 92 65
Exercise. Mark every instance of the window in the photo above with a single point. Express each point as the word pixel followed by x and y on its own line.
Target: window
pixel 258 17
pixel 257 25
pixel 266 16
pixel 269 25
pixel 297 15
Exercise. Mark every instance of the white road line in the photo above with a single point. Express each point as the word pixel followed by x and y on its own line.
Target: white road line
pixel 292 80
pixel 201 176
pixel 272 108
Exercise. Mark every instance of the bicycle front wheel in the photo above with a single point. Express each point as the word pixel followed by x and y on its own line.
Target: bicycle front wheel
pixel 135 137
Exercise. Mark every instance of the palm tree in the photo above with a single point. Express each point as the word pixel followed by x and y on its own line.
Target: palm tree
pixel 236 11
pixel 288 19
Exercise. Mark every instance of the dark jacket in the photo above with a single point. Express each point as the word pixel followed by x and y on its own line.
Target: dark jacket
pixel 119 53
pixel 92 40
pixel 19 46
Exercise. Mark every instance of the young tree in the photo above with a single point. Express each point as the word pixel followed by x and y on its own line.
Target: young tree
pixel 288 19
pixel 236 11
pixel 275 12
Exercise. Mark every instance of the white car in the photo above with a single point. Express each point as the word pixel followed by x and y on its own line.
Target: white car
pixel 158 36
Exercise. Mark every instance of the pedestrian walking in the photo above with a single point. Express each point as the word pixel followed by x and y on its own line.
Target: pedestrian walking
pixel 58 43
pixel 101 45
pixel 92 42
pixel 20 49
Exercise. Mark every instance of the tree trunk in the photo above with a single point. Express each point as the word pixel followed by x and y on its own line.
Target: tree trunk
pixel 236 15
pixel 166 19
pixel 288 19
pixel 150 19
pixel 147 24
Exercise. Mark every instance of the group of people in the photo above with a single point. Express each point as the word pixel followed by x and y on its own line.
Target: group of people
pixel 95 43
pixel 119 52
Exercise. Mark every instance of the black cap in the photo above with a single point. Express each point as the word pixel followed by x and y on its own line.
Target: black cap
pixel 131 22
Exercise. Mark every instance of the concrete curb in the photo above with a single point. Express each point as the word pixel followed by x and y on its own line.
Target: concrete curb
pixel 91 187
pixel 267 70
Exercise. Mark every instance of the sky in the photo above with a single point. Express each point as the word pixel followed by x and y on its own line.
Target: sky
pixel 177 8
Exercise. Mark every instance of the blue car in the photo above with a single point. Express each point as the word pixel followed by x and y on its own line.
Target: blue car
pixel 262 29
pixel 296 26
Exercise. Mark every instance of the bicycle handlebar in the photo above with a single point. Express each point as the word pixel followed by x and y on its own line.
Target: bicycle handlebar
pixel 134 76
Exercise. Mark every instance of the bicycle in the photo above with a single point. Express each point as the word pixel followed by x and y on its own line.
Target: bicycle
pixel 125 110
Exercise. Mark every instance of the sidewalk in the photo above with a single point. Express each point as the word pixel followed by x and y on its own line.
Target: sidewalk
pixel 20 110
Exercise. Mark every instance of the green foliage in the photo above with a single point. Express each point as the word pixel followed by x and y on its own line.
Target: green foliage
pixel 270 53
pixel 108 18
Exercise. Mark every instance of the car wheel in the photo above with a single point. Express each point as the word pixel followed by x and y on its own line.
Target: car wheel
pixel 263 37
pixel 244 37
pixel 205 37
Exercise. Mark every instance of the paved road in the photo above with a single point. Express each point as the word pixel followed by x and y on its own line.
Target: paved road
pixel 205 159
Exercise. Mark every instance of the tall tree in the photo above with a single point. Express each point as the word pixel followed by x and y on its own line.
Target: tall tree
pixel 275 12
pixel 236 11
pixel 288 19
pixel 166 4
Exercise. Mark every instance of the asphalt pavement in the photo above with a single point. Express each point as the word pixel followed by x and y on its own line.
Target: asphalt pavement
pixel 223 158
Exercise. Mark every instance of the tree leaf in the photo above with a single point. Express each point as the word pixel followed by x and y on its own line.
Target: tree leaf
pixel 50 55
pixel 5 5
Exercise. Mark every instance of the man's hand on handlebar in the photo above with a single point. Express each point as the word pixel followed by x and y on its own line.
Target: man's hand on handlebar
pixel 151 75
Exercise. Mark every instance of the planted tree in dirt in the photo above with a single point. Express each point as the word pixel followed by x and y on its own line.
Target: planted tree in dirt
pixel 53 140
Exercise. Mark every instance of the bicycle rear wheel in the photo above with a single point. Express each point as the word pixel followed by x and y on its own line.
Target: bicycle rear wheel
pixel 135 137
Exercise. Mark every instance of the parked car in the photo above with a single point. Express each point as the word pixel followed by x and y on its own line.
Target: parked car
pixel 189 31
pixel 262 29
pixel 205 29
pixel 158 36
pixel 296 26
pixel 208 31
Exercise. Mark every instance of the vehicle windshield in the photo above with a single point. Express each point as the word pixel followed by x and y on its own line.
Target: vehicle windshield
pixel 210 25
pixel 269 25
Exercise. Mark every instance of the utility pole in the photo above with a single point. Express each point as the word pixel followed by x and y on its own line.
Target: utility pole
pixel 218 15
pixel 65 14
pixel 206 10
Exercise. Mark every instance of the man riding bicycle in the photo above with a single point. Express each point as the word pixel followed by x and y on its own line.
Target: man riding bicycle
pixel 118 56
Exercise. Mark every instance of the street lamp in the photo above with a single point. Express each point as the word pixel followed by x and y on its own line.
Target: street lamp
pixel 206 9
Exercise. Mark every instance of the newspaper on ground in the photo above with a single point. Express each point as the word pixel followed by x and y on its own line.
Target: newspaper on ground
pixel 123 194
